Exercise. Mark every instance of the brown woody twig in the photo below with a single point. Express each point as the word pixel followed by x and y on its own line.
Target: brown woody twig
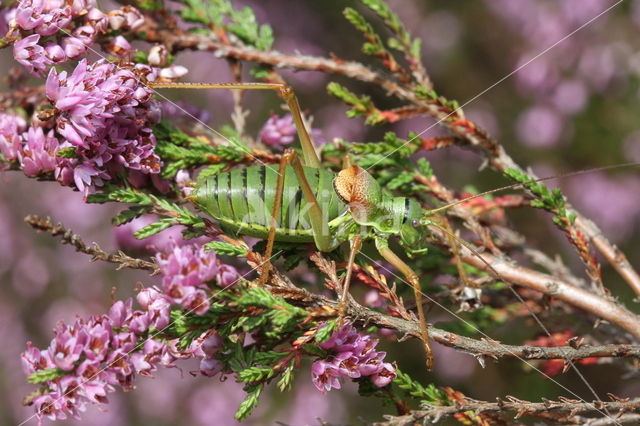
pixel 68 237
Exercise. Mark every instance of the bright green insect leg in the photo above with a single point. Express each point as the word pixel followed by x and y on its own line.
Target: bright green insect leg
pixel 383 248
pixel 319 222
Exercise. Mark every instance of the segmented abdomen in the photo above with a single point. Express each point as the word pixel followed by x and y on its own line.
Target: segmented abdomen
pixel 243 199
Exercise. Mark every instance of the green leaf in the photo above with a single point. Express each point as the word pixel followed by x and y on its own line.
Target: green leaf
pixel 324 333
pixel 314 350
pixel 128 215
pixel 401 179
pixel 46 375
pixel 359 105
pixel 268 357
pixel 154 228
pixel 227 249
pixel 209 171
pixel 287 377
pixel 424 167
pixel 250 402
pixel 68 152
pixel 255 374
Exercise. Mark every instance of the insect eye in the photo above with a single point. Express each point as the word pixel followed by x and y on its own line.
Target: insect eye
pixel 415 223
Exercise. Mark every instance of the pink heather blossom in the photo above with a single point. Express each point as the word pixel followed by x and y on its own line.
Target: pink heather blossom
pixel 184 182
pixel 173 71
pixel 54 19
pixel 105 113
pixel 30 54
pixel 45 17
pixel 278 131
pixel 210 367
pixel 11 129
pixel 38 155
pixel 185 273
pixel 55 53
pixel 104 351
pixel 119 46
pixel 158 55
pixel 227 275
pixel 97 19
pixel 326 376
pixel 127 18
pixel 354 356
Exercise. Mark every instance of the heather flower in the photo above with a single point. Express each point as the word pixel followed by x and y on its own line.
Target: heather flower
pixel 97 19
pixel 210 367
pixel 38 154
pixel 55 53
pixel 354 356
pixel 173 72
pixel 119 46
pixel 185 272
pixel 11 127
pixel 227 275
pixel 158 56
pixel 30 54
pixel 184 182
pixel 278 131
pixel 326 376
pixel 127 18
pixel 52 19
pixel 189 265
pixel 73 47
pixel 46 17
pixel 104 351
pixel 29 14
pixel 104 112
pixel 211 344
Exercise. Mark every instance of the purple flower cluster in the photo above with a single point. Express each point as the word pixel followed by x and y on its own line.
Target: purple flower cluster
pixel 205 348
pixel 105 113
pixel 186 270
pixel 56 31
pixel 101 111
pixel 108 350
pixel 101 352
pixel 35 150
pixel 278 131
pixel 354 356
pixel 11 129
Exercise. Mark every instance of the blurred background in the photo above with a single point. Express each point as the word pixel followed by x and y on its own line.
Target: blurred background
pixel 575 107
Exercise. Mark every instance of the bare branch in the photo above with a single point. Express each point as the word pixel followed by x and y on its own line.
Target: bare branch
pixel 493 349
pixel 565 409
pixel 68 237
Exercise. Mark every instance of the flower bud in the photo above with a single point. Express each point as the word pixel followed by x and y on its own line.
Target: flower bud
pixel 158 56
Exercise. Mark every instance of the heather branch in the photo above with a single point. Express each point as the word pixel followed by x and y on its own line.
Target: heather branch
pixel 566 407
pixel 68 237
pixel 558 289
pixel 479 348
